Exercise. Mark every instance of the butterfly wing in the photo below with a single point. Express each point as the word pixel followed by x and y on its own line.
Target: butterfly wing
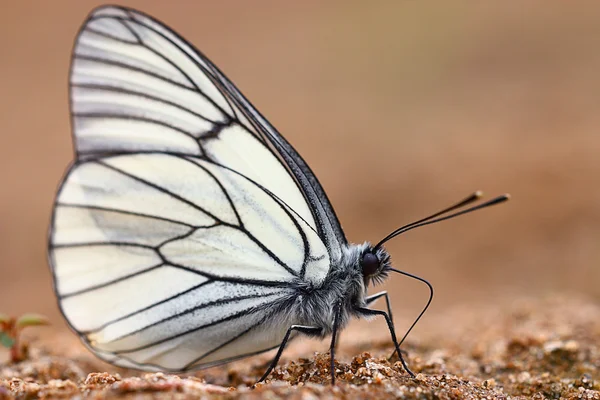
pixel 186 93
pixel 178 228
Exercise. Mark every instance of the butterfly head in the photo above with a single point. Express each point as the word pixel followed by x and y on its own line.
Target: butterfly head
pixel 375 264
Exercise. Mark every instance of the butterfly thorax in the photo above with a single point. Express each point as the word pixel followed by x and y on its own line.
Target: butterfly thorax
pixel 344 288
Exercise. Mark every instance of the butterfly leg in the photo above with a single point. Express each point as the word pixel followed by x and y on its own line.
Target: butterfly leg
pixel 336 324
pixel 368 311
pixel 371 299
pixel 308 330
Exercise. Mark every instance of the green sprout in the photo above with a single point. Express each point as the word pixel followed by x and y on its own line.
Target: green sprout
pixel 10 331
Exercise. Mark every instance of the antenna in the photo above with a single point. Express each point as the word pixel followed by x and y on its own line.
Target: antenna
pixel 432 218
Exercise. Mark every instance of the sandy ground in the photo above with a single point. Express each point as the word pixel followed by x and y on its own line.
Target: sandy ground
pixel 400 108
pixel 540 349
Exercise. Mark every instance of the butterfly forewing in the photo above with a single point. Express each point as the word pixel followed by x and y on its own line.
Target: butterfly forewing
pixel 209 80
pixel 155 94
pixel 178 228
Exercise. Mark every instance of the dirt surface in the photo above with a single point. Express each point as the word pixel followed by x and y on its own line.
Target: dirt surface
pixel 530 349
pixel 400 108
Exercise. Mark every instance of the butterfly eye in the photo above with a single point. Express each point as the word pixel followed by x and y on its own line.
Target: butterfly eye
pixel 370 264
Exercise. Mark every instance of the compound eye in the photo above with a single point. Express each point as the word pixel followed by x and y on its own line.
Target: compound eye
pixel 370 264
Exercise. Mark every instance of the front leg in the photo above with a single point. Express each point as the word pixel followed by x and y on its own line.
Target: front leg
pixel 369 312
pixel 373 298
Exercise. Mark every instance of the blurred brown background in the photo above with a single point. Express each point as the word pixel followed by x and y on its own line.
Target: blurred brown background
pixel 400 107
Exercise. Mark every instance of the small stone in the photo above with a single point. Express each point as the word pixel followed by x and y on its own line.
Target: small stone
pixel 489 383
pixel 524 377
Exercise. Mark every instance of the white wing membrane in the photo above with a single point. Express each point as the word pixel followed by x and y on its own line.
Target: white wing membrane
pixel 204 217
pixel 143 258
pixel 180 330
pixel 97 185
pixel 82 224
pixel 203 310
pixel 178 229
pixel 180 179
pixel 132 105
pixel 92 266
pixel 127 297
pixel 224 251
pixel 172 331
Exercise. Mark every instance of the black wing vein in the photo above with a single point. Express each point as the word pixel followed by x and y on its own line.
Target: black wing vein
pixel 111 282
pixel 191 310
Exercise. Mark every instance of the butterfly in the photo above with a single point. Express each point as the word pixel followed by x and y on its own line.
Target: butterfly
pixel 188 232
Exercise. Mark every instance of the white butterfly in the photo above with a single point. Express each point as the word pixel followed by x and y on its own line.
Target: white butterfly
pixel 188 232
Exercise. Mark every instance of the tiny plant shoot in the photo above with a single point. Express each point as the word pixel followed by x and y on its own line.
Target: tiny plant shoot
pixel 10 331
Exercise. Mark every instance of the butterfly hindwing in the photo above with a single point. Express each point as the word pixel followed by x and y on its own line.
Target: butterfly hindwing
pixel 139 254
